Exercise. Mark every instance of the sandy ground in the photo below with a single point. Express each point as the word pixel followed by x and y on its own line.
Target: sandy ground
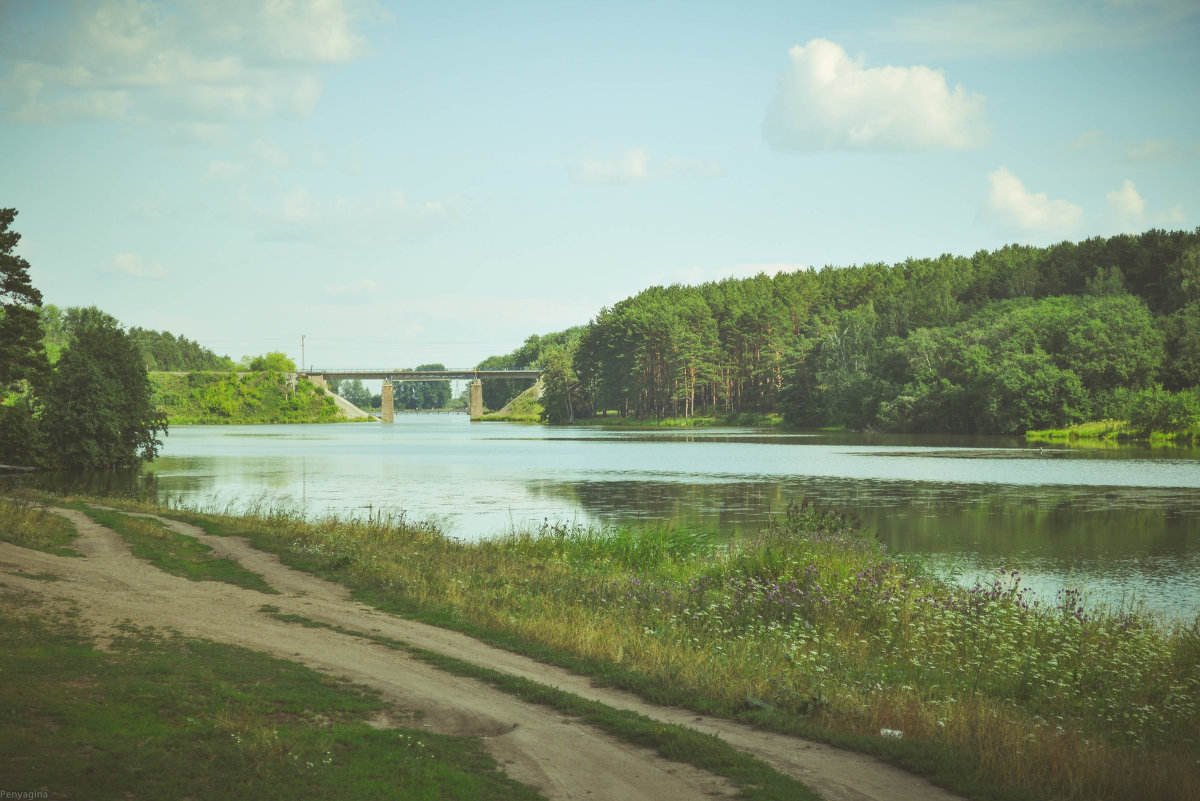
pixel 559 755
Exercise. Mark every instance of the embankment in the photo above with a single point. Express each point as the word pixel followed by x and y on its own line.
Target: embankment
pixel 247 398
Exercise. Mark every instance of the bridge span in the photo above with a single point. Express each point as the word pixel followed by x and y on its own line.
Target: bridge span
pixel 474 374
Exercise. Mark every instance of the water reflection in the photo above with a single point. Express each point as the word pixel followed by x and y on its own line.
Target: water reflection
pixel 1120 544
pixel 1122 520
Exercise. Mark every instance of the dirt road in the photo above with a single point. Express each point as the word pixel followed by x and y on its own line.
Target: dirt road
pixel 562 757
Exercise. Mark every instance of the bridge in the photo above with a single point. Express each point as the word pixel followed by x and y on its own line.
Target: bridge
pixel 474 374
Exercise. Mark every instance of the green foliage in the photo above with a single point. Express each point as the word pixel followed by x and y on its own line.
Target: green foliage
pixel 497 393
pixel 525 408
pixel 275 361
pixel 423 394
pixel 560 386
pixel 354 391
pixel 807 626
pixel 31 526
pixel 23 357
pixel 101 411
pixel 991 343
pixel 1156 409
pixel 163 351
pixel 232 398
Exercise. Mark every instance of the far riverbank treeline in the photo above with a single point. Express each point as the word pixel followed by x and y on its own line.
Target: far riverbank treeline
pixel 998 342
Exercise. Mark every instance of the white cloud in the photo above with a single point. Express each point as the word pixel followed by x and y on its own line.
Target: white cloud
pixel 636 165
pixel 1126 206
pixel 221 170
pixel 133 265
pixel 1175 215
pixel 185 64
pixel 1087 140
pixel 1152 150
pixel 1009 204
pixel 628 168
pixel 299 206
pixel 300 215
pixel 364 287
pixel 828 101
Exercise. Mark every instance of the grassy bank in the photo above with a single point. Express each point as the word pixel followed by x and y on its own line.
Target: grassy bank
pixel 1114 431
pixel 161 716
pixel 240 398
pixel 806 627
pixel 525 408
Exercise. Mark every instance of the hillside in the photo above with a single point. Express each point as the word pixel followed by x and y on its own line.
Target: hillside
pixel 242 398
pixel 994 343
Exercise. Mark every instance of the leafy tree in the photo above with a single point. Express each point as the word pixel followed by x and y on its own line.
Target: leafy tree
pixel 1156 409
pixel 275 360
pixel 354 391
pixel 561 386
pixel 20 332
pixel 163 351
pixel 423 394
pixel 100 402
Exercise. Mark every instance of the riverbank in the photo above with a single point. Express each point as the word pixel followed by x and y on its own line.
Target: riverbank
pixel 245 398
pixel 804 627
pixel 548 728
pixel 1113 431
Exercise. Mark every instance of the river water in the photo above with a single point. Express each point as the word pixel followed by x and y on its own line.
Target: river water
pixel 1121 523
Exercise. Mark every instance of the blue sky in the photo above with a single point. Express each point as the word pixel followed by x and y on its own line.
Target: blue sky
pixel 406 183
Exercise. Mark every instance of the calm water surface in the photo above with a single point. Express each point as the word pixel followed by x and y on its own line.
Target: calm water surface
pixel 1122 523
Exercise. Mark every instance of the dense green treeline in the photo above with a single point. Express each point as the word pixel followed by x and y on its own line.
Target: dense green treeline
pixel 999 342
pixel 87 407
pixel 497 392
pixel 161 350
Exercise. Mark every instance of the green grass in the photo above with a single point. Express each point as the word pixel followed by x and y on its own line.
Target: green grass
pixel 809 628
pixel 31 526
pixel 1111 430
pixel 525 408
pixel 805 627
pixel 175 553
pixel 240 398
pixel 161 716
pixel 755 779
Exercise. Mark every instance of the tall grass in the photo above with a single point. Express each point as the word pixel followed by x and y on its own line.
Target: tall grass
pixel 29 525
pixel 808 624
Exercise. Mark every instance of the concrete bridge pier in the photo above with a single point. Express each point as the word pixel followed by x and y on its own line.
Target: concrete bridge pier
pixel 476 406
pixel 389 405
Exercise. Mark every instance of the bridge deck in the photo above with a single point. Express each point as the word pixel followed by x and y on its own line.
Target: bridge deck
pixel 469 374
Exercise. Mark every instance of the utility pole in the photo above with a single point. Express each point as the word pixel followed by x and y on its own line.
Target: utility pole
pixel 302 367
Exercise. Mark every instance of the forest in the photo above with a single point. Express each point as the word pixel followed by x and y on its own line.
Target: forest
pixel 999 342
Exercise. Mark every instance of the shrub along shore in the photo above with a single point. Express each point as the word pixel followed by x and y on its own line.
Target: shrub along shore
pixel 805 627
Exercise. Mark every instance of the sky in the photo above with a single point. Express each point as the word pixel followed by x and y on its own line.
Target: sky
pixel 385 184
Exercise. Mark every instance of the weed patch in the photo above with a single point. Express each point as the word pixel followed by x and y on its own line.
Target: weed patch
pixel 806 627
pixel 175 553
pixel 29 525
pixel 162 716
